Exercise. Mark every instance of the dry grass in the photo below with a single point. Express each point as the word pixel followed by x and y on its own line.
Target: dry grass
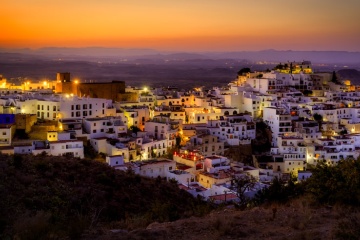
pixel 300 219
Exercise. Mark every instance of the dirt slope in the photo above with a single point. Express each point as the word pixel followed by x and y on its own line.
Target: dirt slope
pixel 294 221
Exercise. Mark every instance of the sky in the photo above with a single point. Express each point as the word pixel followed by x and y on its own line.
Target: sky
pixel 186 25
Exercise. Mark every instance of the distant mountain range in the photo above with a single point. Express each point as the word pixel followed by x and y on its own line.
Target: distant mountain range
pixel 147 67
pixel 325 57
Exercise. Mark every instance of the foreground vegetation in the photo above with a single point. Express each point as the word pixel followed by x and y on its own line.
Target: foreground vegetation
pixel 50 197
pixel 328 185
pixel 55 197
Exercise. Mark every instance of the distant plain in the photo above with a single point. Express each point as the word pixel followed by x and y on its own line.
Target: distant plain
pixel 156 69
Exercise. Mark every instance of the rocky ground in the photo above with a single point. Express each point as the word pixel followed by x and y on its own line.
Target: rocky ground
pixel 296 220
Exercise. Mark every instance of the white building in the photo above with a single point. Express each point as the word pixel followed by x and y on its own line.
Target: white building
pixel 153 168
pixel 163 128
pixel 73 148
pixel 115 161
pixel 279 121
pixel 109 127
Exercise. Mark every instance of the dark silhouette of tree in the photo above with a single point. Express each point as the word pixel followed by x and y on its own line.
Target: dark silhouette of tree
pixel 343 132
pixel 319 118
pixel 242 184
pixel 134 129
pixel 279 191
pixel 178 141
pixel 307 92
pixel 243 71
pixel 334 78
pixel 336 184
pixel 279 67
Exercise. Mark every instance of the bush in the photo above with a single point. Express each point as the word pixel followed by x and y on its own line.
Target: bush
pixel 336 184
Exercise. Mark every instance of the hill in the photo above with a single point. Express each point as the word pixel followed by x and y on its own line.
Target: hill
pixel 351 74
pixel 296 220
pixel 325 206
pixel 41 195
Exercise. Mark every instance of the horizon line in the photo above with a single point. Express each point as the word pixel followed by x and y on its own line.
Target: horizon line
pixel 170 50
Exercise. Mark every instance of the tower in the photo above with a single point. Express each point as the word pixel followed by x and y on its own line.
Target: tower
pixel 63 83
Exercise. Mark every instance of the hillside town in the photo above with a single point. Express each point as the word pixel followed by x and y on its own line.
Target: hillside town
pixel 185 135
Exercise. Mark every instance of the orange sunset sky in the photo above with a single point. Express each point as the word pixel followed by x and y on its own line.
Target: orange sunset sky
pixel 203 25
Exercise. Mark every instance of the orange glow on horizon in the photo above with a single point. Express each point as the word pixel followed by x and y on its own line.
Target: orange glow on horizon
pixel 181 25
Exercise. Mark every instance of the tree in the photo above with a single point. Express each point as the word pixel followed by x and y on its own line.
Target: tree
pixel 334 78
pixel 307 92
pixel 343 132
pixel 317 117
pixel 279 67
pixel 243 71
pixel 134 129
pixel 178 141
pixel 279 191
pixel 242 184
pixel 186 118
pixel 336 184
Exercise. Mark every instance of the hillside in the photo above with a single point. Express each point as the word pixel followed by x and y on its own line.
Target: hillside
pixel 325 206
pixel 41 195
pixel 46 197
pixel 350 74
pixel 296 220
